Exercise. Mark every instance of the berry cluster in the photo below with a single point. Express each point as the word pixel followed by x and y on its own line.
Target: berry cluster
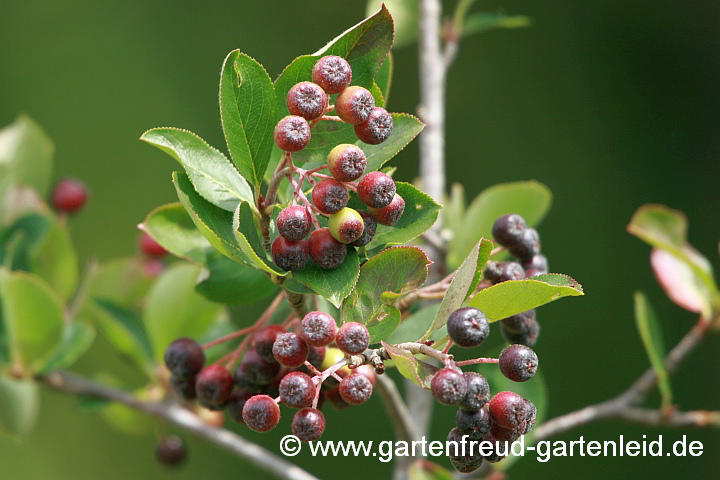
pixel 307 103
pixel 481 417
pixel 523 243
pixel 279 367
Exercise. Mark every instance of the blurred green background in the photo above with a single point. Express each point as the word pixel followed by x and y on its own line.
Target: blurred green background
pixel 612 104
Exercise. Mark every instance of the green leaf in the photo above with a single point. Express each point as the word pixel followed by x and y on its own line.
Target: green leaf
pixel 405 128
pixel 171 226
pixel 247 237
pixel 515 296
pixel 414 327
pixel 212 174
pixel 174 309
pixel 483 21
pixel 335 285
pixel 233 283
pixel 666 229
pixel 123 329
pixel 651 335
pixel 453 212
pixel 419 372
pixel 463 283
pixel 78 336
pixel 383 77
pixel 247 111
pixel 405 16
pixel 26 157
pixel 122 282
pixel 384 323
pixel 530 199
pixel 19 406
pixel 32 318
pixel 388 275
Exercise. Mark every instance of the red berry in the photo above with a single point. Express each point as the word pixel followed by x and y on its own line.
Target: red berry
pixel 289 350
pixel 354 105
pixel 368 371
pixel 330 196
pixel 308 424
pixel 153 267
pixel 185 388
pixel 468 327
pixel 237 401
pixel 376 190
pixel 356 389
pixel 184 358
pixel 171 451
pixel 297 390
pixel 353 338
pixel 449 386
pixel 391 214
pixel 292 133
pixel 289 255
pixel 508 410
pixel 264 339
pixel 307 100
pixel 505 434
pixel 332 73
pixel 327 252
pixel 318 329
pixel 255 370
pixel 69 195
pixel 518 363
pixel 333 395
pixel 346 162
pixel 346 226
pixel 213 387
pixel 150 247
pixel 377 128
pixel 261 413
pixel 294 223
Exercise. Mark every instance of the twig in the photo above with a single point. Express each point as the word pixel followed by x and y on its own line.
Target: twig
pixel 256 455
pixel 396 409
pixel 646 416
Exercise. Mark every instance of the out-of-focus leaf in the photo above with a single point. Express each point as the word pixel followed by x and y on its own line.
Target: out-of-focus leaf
pixel 651 336
pixel 383 77
pixel 123 330
pixel 77 338
pixel 482 21
pixel 171 226
pixel 19 406
pixel 680 282
pixel 122 282
pixel 404 14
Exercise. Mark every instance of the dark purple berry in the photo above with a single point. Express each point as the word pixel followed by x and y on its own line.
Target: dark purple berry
pixel 289 255
pixel 369 229
pixel 297 390
pixel 508 410
pixel 318 329
pixel 498 450
pixel 468 327
pixel 308 424
pixel 316 355
pixel 531 417
pixel 332 73
pixel 256 370
pixel 510 271
pixel 376 190
pixel 294 223
pixel 150 247
pixel 528 338
pixel 237 401
pixel 508 229
pixel 518 363
pixel 290 350
pixel 391 214
pixel 478 391
pixel 171 451
pixel 356 389
pixel 333 396
pixel 264 339
pixel 520 322
pixel 464 452
pixel 213 387
pixel 184 358
pixel 354 105
pixel 537 265
pixel 327 252
pixel 528 246
pixel 261 413
pixel 307 100
pixel 449 386
pixel 346 226
pixel 346 162
pixel 353 338
pixel 506 434
pixel 473 423
pixel 292 133
pixel 69 195
pixel 184 387
pixel 330 196
pixel 492 271
pixel 377 128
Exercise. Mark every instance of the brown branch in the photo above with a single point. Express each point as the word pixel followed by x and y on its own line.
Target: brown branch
pixel 646 416
pixel 261 458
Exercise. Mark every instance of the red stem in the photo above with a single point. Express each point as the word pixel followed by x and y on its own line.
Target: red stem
pixel 477 360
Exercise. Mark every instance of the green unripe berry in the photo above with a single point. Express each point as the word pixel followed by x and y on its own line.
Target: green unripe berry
pixel 346 226
pixel 346 162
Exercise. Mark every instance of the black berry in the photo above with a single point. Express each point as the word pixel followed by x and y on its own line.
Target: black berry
pixel 308 424
pixel 536 265
pixel 509 271
pixel 256 370
pixel 213 387
pixel 353 338
pixel 184 358
pixel 527 338
pixel 468 327
pixel 464 452
pixel 520 322
pixel 449 386
pixel 376 189
pixel 290 350
pixel 69 195
pixel 518 363
pixel 318 329
pixel 531 417
pixel 346 226
pixel 264 339
pixel 478 391
pixel 528 246
pixel 171 451
pixel 346 162
pixel 184 387
pixel 327 252
pixel 377 128
pixel 297 390
pixel 354 105
pixel 307 100
pixel 508 229
pixel 356 389
pixel 292 133
pixel 369 229
pixel 261 413
pixel 473 423
pixel 391 214
pixel 508 410
pixel 332 73
pixel 330 196
pixel 289 255
pixel 294 223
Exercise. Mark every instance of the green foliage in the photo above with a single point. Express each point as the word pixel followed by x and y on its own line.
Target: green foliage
pixel 419 372
pixel 171 226
pixel 78 336
pixel 19 406
pixel 509 298
pixel 334 284
pixel 530 199
pixel 383 77
pixel 233 283
pixel 482 21
pixel 124 330
pixel 415 326
pixel 405 128
pixel 651 334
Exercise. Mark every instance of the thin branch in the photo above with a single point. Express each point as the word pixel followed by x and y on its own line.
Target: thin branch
pixel 396 409
pixel 646 416
pixel 173 413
